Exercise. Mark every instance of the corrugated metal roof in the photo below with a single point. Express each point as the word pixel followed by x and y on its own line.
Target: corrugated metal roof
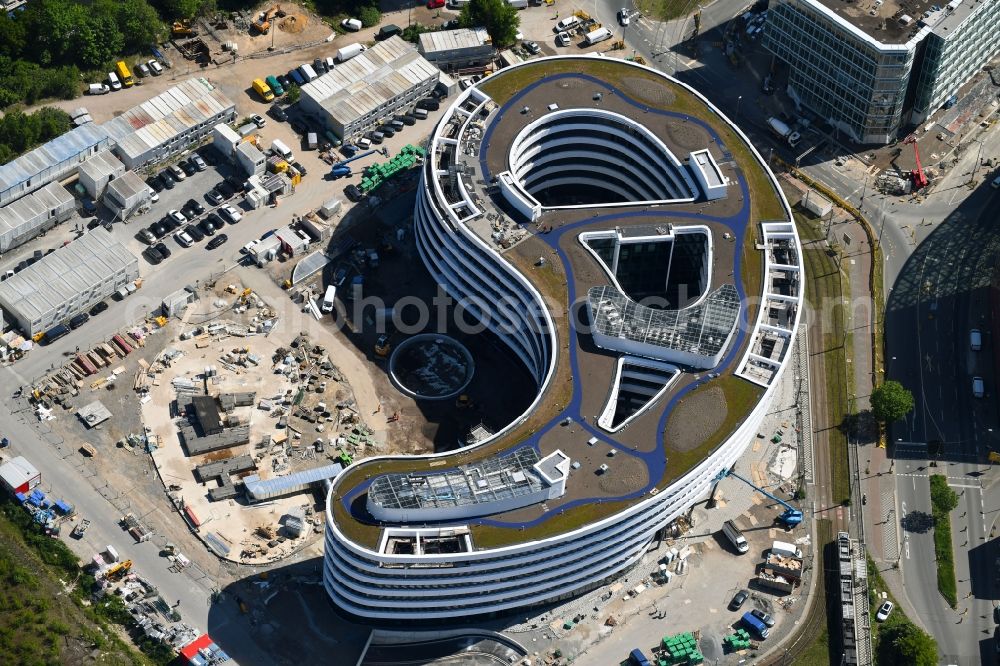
pixel 88 261
pixel 369 80
pixel 38 203
pixel 265 489
pixel 102 165
pixel 128 186
pixel 452 40
pixel 159 120
pixel 58 150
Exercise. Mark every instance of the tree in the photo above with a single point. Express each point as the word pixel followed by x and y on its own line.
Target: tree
pixel 292 94
pixel 369 15
pixel 905 644
pixel 499 18
pixel 891 402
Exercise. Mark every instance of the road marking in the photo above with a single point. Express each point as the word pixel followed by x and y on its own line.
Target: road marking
pixel 959 485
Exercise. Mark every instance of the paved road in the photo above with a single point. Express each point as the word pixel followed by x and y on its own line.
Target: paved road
pixel 939 294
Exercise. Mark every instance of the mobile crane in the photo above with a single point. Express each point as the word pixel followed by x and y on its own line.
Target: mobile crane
pixel 919 178
pixel 791 516
pixel 340 169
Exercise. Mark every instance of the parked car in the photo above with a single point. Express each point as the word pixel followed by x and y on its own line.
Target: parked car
pixel 435 4
pixel 199 163
pixel 153 196
pixel 319 64
pixel 230 214
pixel 624 16
pixel 562 39
pixel 155 183
pixel 187 167
pixel 177 172
pixel 216 221
pixel 206 225
pixel 217 241
pixel 195 232
pixel 155 67
pixel 79 320
pixel 98 309
pixel 883 611
pixel 194 207
pixel 167 179
pixel 739 599
pixel 183 239
pixel 159 229
pixel 147 236
pixel 351 24
pixel 152 255
pixel 763 617
pixel 177 216
pixel 532 47
pixel 142 69
pixel 214 197
pixel 162 249
pixel 258 120
pixel 283 80
pixel 225 189
pixel 278 113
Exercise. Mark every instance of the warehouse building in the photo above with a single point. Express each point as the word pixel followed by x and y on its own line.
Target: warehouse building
pixel 873 73
pixel 458 50
pixel 126 195
pixel 51 162
pixel 67 282
pixel 98 171
pixel 369 88
pixel 29 216
pixel 170 122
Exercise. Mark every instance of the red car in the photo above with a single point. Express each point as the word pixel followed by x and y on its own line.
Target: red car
pixel 435 4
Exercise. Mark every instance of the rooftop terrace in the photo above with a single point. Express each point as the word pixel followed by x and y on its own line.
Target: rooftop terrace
pixel 696 411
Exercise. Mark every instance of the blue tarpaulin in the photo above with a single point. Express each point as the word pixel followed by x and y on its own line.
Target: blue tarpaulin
pixel 64 507
pixel 20 497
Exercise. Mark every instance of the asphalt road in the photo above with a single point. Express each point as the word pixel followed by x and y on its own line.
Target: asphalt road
pixel 938 296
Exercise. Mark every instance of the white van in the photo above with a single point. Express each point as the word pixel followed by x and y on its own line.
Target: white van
pixel 566 24
pixel 279 147
pixel 975 339
pixel 331 293
pixel 113 80
pixel 978 387
pixel 735 537
pixel 596 36
pixel 307 72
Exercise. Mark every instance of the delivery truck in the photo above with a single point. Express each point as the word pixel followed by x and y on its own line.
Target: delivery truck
pixel 349 51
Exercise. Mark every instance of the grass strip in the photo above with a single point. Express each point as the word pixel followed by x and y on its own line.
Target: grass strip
pixel 826 293
pixel 943 551
pixel 667 10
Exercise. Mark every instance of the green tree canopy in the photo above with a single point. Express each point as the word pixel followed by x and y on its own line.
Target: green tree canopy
pixel 293 94
pixel 369 15
pixel 905 644
pixel 891 402
pixel 499 18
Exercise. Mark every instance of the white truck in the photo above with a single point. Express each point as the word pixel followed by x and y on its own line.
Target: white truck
pixel 785 549
pixel 784 131
pixel 596 36
pixel 349 51
pixel 328 299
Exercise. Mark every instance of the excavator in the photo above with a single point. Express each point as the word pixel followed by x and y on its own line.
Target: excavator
pixel 182 30
pixel 263 23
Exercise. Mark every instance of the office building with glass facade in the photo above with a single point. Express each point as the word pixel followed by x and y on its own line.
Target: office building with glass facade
pixel 872 69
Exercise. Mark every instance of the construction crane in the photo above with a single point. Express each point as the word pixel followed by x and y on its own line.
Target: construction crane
pixel 340 169
pixel 791 516
pixel 118 570
pixel 919 178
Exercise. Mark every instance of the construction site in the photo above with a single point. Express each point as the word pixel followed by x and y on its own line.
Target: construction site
pixel 244 423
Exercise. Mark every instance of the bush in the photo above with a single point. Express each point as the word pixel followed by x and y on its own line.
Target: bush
pixel 943 500
pixel 369 15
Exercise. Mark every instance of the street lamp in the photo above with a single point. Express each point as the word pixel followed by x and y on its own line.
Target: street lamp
pixel 738 100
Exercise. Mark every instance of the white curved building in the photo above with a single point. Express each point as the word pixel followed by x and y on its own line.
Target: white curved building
pixel 575 160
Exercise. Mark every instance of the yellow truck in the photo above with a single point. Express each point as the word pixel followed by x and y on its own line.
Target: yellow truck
pixel 263 90
pixel 126 76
